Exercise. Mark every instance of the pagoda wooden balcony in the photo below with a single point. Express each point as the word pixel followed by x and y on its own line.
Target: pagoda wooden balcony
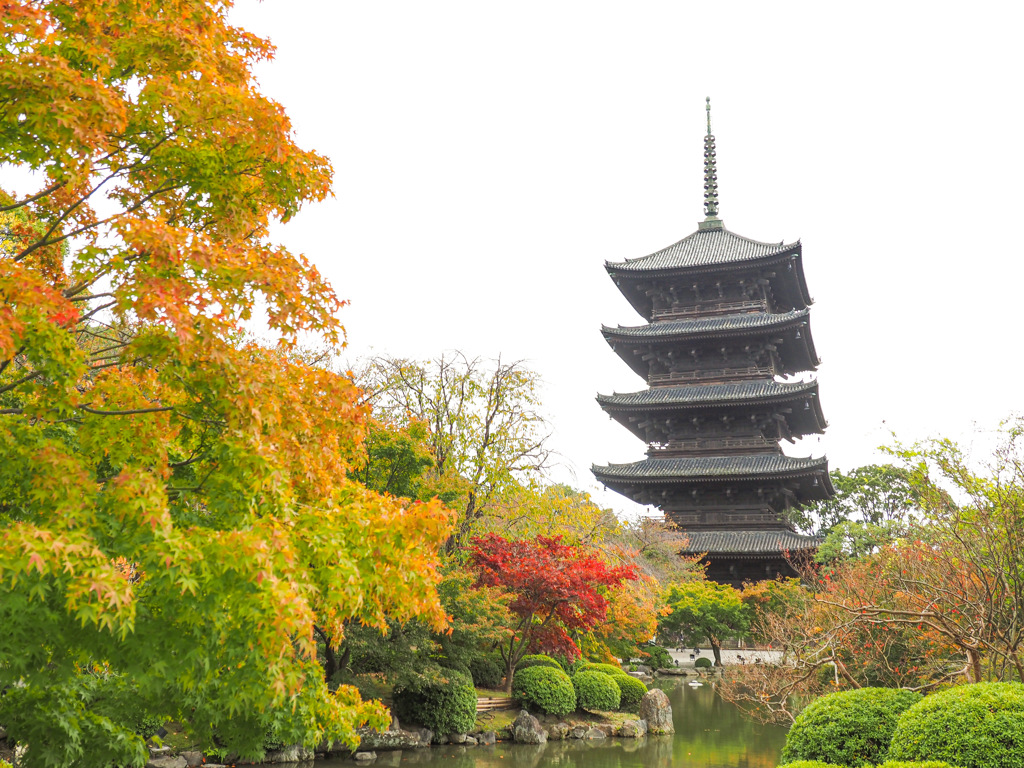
pixel 710 376
pixel 710 309
pixel 713 446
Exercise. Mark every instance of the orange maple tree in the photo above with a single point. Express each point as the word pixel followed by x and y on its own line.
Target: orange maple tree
pixel 174 501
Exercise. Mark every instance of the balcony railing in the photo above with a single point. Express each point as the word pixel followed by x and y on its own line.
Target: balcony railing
pixel 711 445
pixel 710 376
pixel 710 309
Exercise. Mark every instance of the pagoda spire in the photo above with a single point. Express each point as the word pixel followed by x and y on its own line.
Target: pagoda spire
pixel 710 179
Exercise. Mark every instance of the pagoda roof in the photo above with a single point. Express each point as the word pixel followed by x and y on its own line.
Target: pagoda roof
pixel 706 326
pixel 696 469
pixel 748 543
pixel 710 394
pixel 705 247
pixel 762 393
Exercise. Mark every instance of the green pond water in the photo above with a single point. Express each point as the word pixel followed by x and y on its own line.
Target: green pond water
pixel 710 733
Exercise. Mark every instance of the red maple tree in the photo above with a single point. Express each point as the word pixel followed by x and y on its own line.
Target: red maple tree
pixel 556 588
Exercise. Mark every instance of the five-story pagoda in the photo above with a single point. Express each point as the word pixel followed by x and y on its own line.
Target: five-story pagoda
pixel 725 353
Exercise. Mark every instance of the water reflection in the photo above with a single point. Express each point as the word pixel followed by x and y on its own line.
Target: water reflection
pixel 710 733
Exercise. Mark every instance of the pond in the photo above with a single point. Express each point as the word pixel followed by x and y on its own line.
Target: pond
pixel 710 733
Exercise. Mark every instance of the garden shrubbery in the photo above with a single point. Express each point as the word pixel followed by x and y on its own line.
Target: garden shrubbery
pixel 703 663
pixel 596 690
pixel 631 691
pixel 810 764
pixel 443 700
pixel 607 669
pixel 852 728
pixel 925 764
pixel 486 672
pixel 657 657
pixel 971 726
pixel 538 659
pixel 546 689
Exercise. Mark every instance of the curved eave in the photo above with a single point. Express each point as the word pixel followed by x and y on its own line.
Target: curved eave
pixel 738 545
pixel 798 296
pixel 798 354
pixel 714 470
pixel 801 423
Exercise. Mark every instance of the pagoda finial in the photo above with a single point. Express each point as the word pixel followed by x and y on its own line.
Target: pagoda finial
pixel 710 179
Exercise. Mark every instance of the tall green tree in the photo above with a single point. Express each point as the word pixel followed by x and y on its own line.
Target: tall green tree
pixel 698 610
pixel 486 435
pixel 175 506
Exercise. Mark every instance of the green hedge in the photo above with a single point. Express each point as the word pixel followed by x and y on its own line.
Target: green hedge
pixel 608 669
pixel 596 690
pixel 443 700
pixel 971 726
pixel 546 689
pixel 486 672
pixel 851 728
pixel 703 663
pixel 538 660
pixel 631 691
pixel 925 764
pixel 810 764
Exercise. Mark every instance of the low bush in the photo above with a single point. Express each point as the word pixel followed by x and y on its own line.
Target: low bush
pixel 852 728
pixel 116 697
pixel 607 669
pixel 596 690
pixel 925 764
pixel 631 691
pixel 486 672
pixel 810 764
pixel 657 657
pixel 444 700
pixel 538 660
pixel 546 689
pixel 703 663
pixel 971 726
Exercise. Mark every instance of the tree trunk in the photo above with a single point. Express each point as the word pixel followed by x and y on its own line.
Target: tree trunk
pixel 975 660
pixel 716 649
pixel 330 658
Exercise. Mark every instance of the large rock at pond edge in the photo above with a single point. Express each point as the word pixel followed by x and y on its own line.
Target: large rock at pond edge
pixel 558 731
pixel 293 753
pixel 171 761
pixel 632 729
pixel 595 733
pixel 526 729
pixel 193 759
pixel 656 711
pixel 372 741
pixel 487 737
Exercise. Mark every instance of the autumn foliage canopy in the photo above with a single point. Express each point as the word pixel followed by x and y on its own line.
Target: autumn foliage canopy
pixel 174 501
pixel 556 590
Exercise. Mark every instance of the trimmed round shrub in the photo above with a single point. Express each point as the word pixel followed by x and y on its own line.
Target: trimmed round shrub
pixel 851 728
pixel 596 690
pixel 544 688
pixel 444 700
pixel 972 726
pixel 631 691
pixel 703 663
pixel 486 672
pixel 607 669
pixel 538 660
pixel 810 764
pixel 925 764
pixel 657 657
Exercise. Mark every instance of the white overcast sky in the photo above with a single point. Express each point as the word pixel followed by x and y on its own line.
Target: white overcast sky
pixel 490 157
